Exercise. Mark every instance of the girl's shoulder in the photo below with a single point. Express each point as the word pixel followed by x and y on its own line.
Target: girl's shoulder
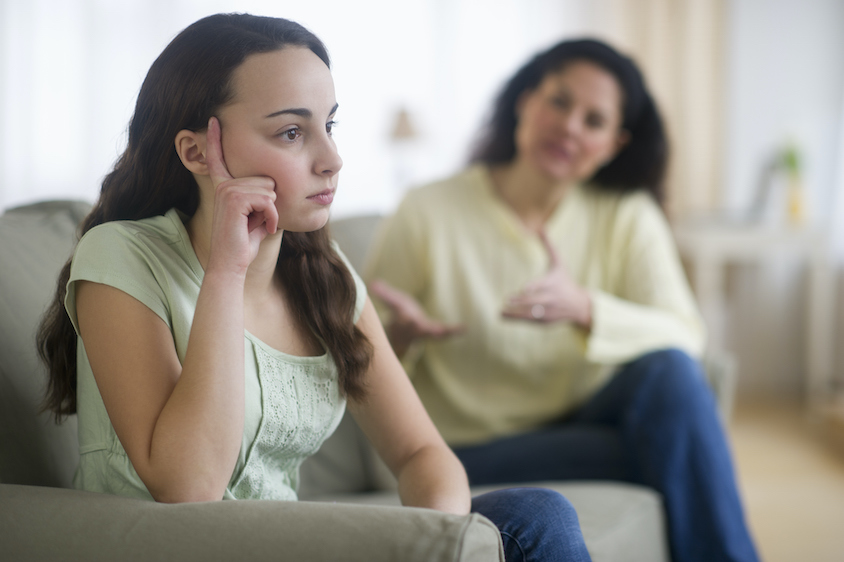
pixel 126 244
pixel 161 227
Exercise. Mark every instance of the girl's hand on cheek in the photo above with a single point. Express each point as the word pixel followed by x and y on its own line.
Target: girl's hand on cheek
pixel 244 209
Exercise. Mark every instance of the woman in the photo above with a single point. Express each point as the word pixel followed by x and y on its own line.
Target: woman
pixel 205 358
pixel 540 307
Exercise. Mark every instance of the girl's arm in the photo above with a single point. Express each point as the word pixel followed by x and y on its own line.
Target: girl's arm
pixel 394 420
pixel 182 424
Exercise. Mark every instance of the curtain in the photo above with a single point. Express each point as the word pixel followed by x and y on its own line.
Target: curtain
pixel 679 46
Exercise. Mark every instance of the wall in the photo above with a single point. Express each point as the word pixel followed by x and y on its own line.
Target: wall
pixel 785 64
pixel 70 71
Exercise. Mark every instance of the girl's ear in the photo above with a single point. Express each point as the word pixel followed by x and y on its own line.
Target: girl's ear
pixel 190 146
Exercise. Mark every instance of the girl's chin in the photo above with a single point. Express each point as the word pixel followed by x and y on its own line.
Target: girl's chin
pixel 308 224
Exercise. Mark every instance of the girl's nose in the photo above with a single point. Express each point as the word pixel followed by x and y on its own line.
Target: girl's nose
pixel 328 163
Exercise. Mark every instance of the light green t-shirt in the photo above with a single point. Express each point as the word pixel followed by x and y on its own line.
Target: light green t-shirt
pixel 458 249
pixel 292 403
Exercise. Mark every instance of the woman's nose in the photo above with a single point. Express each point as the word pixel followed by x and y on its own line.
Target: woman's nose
pixel 570 122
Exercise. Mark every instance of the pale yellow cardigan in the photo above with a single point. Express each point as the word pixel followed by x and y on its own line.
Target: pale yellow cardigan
pixel 457 248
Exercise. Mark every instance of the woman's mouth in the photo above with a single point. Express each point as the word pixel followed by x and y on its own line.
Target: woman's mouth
pixel 559 152
pixel 323 197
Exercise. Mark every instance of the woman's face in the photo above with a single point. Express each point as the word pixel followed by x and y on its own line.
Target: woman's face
pixel 279 125
pixel 570 125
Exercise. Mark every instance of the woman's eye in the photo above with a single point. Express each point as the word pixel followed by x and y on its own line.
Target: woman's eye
pixel 595 121
pixel 329 127
pixel 560 101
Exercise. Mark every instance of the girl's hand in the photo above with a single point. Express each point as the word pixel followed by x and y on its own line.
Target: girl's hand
pixel 244 209
pixel 554 297
pixel 408 321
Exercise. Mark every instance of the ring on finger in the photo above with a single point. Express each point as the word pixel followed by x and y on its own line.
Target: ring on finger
pixel 537 311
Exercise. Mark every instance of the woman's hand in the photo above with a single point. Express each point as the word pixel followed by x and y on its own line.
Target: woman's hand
pixel 244 209
pixel 554 297
pixel 408 322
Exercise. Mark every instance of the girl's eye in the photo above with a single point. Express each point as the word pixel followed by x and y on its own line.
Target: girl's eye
pixel 291 134
pixel 329 127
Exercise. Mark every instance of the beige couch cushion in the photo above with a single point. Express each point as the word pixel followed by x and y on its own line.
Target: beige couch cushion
pixel 35 241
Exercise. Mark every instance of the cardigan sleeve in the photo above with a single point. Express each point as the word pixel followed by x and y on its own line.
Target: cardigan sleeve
pixel 650 305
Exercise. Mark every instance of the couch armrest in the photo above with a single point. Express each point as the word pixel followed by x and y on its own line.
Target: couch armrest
pixel 39 523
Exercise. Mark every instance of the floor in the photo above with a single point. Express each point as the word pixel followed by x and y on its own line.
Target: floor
pixel 792 480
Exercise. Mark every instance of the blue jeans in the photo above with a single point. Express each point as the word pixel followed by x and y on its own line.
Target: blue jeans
pixel 655 423
pixel 536 525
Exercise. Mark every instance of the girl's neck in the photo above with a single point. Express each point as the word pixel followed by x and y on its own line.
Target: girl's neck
pixel 532 196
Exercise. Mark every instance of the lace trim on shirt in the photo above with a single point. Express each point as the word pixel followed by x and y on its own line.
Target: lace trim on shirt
pixel 301 406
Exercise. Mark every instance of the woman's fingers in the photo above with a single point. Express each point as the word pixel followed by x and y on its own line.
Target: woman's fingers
pixel 408 315
pixel 536 311
pixel 392 297
pixel 553 256
pixel 438 330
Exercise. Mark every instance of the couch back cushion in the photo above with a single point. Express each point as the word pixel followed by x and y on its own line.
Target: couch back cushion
pixel 35 242
pixel 346 462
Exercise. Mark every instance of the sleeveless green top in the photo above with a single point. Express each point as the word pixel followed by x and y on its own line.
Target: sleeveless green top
pixel 292 403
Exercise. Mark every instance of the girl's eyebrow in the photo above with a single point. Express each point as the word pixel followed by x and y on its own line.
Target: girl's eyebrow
pixel 301 112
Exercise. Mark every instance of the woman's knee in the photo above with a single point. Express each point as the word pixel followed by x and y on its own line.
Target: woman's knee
pixel 672 370
pixel 673 384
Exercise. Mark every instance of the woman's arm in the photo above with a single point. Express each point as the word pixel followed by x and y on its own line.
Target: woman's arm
pixel 650 305
pixel 394 420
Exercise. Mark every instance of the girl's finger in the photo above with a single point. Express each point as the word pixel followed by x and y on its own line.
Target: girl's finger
pixel 214 153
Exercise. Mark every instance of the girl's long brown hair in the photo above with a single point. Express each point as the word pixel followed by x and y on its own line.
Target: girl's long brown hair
pixel 183 89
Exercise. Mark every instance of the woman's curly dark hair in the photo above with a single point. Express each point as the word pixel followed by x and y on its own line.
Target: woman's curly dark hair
pixel 640 164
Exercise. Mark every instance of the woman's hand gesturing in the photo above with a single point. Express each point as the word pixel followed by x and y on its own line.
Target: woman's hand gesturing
pixel 554 297
pixel 244 209
pixel 408 322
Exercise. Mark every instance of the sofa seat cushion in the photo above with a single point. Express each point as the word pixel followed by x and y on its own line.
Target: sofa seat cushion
pixel 620 522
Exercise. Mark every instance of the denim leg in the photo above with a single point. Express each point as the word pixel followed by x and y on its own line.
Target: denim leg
pixel 560 452
pixel 655 423
pixel 536 525
pixel 674 442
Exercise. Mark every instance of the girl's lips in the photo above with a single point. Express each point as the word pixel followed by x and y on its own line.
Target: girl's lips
pixel 323 197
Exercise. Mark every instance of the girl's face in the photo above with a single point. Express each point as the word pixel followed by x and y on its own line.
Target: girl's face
pixel 570 125
pixel 279 125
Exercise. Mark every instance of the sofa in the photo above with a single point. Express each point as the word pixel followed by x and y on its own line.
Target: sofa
pixel 348 508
